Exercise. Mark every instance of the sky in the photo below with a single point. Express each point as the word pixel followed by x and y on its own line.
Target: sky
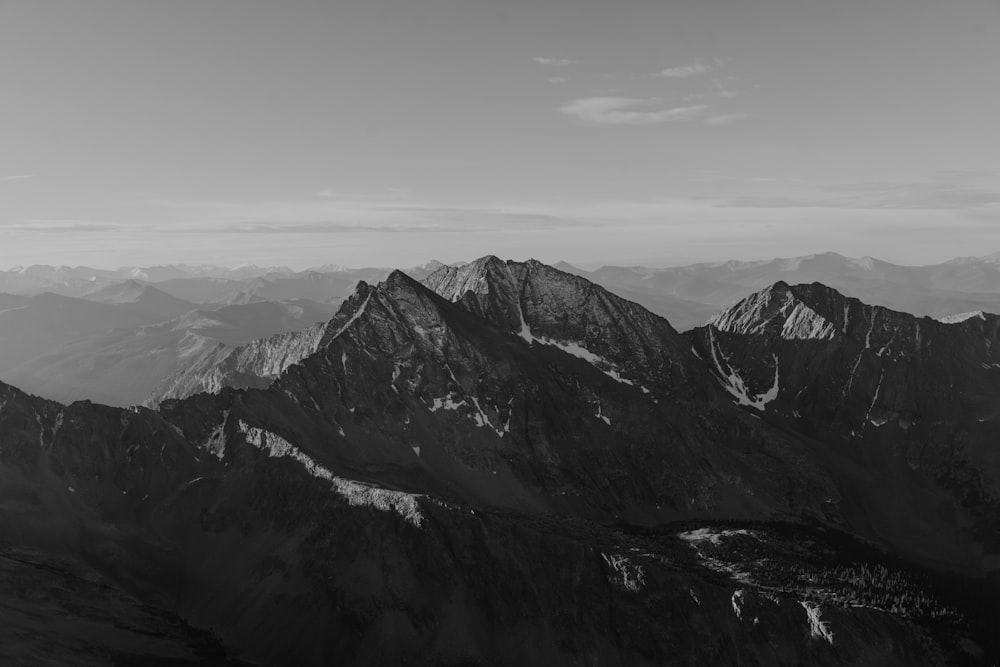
pixel 391 132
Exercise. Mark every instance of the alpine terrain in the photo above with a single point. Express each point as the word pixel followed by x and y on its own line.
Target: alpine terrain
pixel 508 464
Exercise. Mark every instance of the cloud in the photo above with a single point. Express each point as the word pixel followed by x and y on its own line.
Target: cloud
pixel 15 177
pixel 557 79
pixel 689 70
pixel 389 194
pixel 328 216
pixel 555 62
pixel 684 71
pixel 58 226
pixel 932 196
pixel 726 118
pixel 621 111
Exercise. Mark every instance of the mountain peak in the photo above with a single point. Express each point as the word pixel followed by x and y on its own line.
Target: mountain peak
pixel 396 281
pixel 452 282
pixel 802 312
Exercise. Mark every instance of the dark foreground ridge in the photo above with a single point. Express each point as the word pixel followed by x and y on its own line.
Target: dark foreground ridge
pixel 489 468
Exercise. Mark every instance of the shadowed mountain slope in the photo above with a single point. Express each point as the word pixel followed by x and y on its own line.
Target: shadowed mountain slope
pixel 453 476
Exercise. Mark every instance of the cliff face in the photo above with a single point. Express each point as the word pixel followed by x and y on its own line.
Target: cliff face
pixel 256 364
pixel 455 476
pixel 910 399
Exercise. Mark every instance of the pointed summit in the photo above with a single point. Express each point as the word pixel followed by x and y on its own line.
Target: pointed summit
pixel 487 287
pixel 801 312
pixel 542 304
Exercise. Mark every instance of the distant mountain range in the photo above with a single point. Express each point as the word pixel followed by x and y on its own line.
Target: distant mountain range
pixel 118 336
pixel 687 295
pixel 68 351
pixel 700 290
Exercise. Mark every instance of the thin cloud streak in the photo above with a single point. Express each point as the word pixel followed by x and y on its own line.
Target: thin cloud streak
pixel 58 227
pixel 726 118
pixel 697 68
pixel 555 62
pixel 684 71
pixel 934 196
pixel 621 111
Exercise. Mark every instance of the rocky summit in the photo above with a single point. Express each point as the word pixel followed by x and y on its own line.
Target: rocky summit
pixel 507 464
pixel 910 402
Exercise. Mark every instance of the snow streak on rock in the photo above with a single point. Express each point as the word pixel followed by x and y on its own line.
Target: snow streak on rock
pixel 578 351
pixel 962 317
pixel 698 539
pixel 818 628
pixel 734 384
pixel 354 317
pixel 624 572
pixel 355 493
pixel 737 602
pixel 216 442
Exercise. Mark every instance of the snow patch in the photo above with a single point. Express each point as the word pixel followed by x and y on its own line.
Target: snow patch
pixel 357 494
pixel 734 384
pixel 575 349
pixel 713 536
pixel 355 316
pixel 446 403
pixel 878 388
pixel 626 573
pixel 871 325
pixel 962 317
pixel 599 362
pixel 698 539
pixel 479 417
pixel 396 366
pixel 216 442
pixel 737 602
pixel 602 417
pixel 818 628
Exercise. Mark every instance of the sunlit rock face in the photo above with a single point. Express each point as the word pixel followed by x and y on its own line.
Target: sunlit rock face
pixel 908 398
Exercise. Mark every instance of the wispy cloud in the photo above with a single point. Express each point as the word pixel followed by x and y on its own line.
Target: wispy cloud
pixel 935 196
pixel 726 118
pixel 622 111
pixel 15 177
pixel 557 79
pixel 407 220
pixel 389 194
pixel 685 71
pixel 58 226
pixel 328 216
pixel 555 62
pixel 688 70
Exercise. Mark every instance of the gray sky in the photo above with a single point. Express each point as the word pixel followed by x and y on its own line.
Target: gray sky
pixel 390 132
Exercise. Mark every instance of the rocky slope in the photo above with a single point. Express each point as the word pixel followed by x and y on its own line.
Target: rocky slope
pixel 291 562
pixel 118 348
pixel 453 476
pixel 255 364
pixel 912 399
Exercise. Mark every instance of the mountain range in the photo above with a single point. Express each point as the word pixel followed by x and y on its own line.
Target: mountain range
pixel 686 296
pixel 507 463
